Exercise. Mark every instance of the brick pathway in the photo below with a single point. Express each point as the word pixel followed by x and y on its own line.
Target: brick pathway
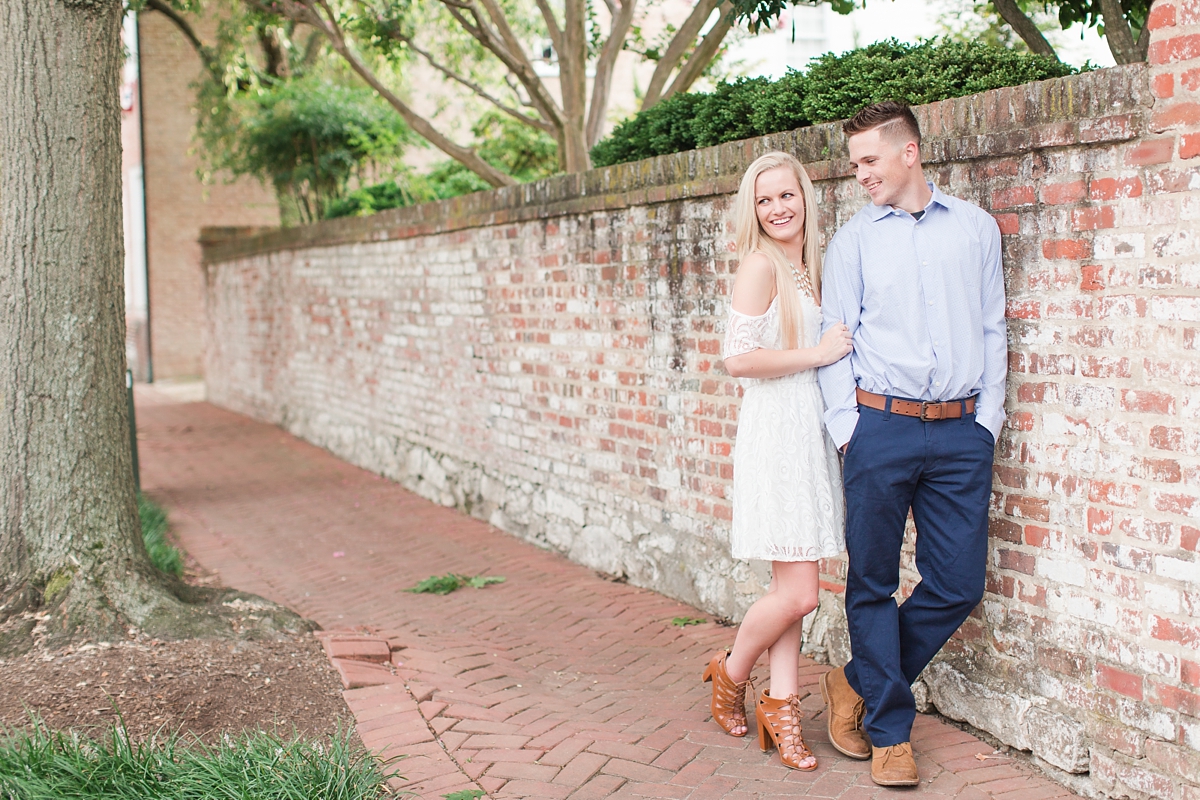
pixel 554 684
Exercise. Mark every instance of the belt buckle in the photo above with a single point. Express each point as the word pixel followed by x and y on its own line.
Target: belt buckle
pixel 925 406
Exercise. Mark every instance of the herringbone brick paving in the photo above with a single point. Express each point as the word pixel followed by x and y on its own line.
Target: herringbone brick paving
pixel 555 684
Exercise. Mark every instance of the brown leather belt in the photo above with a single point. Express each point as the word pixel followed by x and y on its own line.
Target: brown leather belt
pixel 923 410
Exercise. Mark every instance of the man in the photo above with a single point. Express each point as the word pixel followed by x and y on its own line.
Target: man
pixel 916 408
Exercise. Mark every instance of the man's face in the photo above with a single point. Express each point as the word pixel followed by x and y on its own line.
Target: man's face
pixel 881 165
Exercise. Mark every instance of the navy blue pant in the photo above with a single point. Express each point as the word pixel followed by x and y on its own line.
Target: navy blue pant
pixel 943 471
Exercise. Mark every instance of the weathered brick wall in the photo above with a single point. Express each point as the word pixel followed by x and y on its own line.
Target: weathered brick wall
pixel 548 358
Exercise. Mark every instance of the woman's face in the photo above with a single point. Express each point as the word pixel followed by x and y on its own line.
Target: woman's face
pixel 779 204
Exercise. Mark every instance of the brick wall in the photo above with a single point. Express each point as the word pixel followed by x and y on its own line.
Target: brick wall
pixel 548 358
pixel 178 205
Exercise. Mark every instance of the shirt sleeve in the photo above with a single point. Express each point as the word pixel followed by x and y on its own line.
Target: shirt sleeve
pixel 841 301
pixel 990 412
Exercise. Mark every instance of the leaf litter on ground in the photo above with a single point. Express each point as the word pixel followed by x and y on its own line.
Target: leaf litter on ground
pixel 683 622
pixel 445 584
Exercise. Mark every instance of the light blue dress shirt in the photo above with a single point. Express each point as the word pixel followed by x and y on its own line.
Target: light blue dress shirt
pixel 924 301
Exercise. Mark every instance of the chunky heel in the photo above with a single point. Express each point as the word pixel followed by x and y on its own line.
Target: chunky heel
pixel 764 737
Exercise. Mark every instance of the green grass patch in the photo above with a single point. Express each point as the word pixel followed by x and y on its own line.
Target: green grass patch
pixel 40 764
pixel 683 622
pixel 445 584
pixel 154 533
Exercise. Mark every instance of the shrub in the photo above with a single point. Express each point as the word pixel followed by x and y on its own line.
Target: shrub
pixel 834 87
pixel 664 128
pixel 309 137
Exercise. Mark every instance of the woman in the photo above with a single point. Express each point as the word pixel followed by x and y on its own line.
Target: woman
pixel 787 492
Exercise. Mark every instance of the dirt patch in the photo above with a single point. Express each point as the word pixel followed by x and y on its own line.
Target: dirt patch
pixel 200 686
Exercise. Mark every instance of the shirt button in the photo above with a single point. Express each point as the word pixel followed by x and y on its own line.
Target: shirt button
pixel 930 302
pixel 925 263
pixel 937 383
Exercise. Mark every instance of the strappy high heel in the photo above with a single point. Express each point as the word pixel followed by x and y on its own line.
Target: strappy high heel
pixel 779 726
pixel 728 696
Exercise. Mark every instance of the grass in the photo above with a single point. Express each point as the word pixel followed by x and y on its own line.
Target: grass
pixel 154 534
pixel 445 584
pixel 40 764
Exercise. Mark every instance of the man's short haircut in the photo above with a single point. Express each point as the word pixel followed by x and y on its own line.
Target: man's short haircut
pixel 896 120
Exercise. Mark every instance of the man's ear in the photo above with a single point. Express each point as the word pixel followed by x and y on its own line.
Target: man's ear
pixel 912 154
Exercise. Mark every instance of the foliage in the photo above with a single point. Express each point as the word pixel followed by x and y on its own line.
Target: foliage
pixel 154 534
pixel 1088 13
pixel 516 149
pixel 838 86
pixel 445 584
pixel 683 622
pixel 834 87
pixel 465 794
pixel 759 13
pixel 41 764
pixel 309 137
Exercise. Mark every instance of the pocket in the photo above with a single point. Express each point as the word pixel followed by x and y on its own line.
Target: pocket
pixel 858 426
pixel 984 434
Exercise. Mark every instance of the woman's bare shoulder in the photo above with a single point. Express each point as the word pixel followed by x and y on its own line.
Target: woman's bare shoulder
pixel 754 286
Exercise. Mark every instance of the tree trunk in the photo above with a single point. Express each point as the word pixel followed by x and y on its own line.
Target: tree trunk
pixel 572 61
pixel 70 539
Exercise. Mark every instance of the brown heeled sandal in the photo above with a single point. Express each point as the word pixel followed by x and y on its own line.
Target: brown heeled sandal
pixel 728 696
pixel 779 725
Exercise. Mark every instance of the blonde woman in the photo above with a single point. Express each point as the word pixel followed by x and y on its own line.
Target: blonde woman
pixel 787 492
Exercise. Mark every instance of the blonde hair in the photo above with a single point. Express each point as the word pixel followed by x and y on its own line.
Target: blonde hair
pixel 749 237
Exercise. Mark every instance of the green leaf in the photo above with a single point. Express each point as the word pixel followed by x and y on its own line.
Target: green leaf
pixel 445 584
pixel 436 584
pixel 683 622
pixel 465 794
pixel 480 581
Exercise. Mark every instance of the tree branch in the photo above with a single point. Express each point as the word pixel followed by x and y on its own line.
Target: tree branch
pixel 476 88
pixel 680 44
pixel 704 53
pixel 185 27
pixel 622 19
pixel 556 37
pixel 1020 22
pixel 1143 42
pixel 1117 33
pixel 518 63
pixel 305 11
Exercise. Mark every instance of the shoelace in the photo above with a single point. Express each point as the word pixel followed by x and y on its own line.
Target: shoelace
pixel 792 730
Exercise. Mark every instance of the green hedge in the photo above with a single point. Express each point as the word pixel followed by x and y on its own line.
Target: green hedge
pixel 834 87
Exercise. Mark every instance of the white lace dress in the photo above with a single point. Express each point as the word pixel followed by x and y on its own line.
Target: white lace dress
pixel 788 503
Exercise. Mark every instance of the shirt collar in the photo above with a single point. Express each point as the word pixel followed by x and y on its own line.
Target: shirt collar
pixel 877 213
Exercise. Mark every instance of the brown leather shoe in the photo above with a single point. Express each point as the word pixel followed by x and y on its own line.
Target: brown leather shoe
pixel 894 766
pixel 844 715
pixel 728 696
pixel 779 727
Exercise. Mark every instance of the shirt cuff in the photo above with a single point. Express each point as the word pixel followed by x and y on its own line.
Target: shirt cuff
pixel 993 421
pixel 841 425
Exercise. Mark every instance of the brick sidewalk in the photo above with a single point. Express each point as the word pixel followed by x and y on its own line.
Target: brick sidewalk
pixel 554 684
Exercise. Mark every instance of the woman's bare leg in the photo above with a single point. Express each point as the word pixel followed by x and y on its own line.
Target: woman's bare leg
pixel 777 614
